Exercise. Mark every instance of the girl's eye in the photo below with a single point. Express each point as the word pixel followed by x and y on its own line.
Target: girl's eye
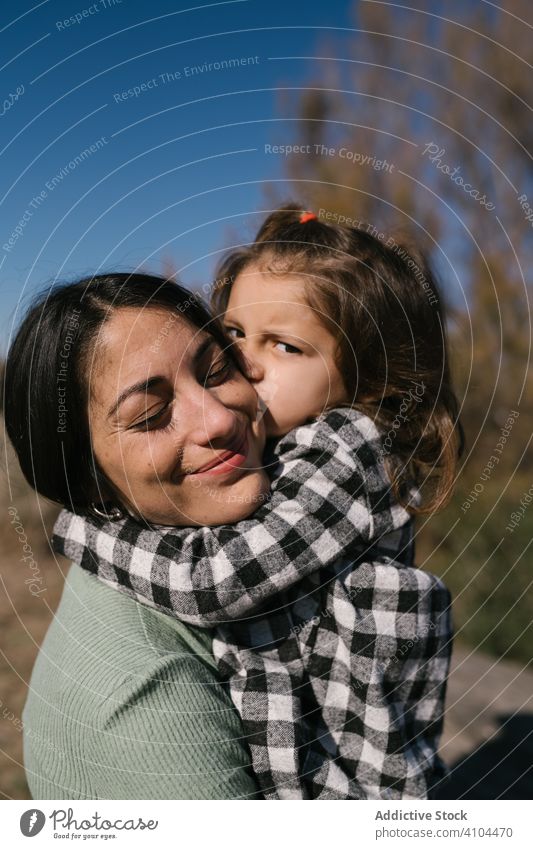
pixel 288 349
pixel 234 332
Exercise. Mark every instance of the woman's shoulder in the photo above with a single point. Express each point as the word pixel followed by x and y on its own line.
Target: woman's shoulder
pixel 135 690
pixel 102 646
pixel 120 628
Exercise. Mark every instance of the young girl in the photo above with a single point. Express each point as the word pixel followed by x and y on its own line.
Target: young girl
pixel 336 648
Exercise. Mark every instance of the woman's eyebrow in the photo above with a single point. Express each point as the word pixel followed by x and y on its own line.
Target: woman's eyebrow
pixel 145 385
pixel 142 386
pixel 204 346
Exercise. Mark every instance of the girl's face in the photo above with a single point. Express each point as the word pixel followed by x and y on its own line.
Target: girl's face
pixel 290 353
pixel 174 424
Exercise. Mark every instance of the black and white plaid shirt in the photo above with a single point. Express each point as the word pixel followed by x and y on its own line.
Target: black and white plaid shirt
pixel 335 647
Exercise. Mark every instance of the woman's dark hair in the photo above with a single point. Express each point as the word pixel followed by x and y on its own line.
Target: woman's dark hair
pixel 381 301
pixel 46 385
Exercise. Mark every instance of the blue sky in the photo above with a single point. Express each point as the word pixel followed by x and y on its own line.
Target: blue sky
pixel 124 147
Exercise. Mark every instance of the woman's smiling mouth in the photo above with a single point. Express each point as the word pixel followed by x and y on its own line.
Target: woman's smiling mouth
pixel 225 462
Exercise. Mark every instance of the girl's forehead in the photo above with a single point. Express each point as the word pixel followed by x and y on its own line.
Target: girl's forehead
pixel 258 286
pixel 276 308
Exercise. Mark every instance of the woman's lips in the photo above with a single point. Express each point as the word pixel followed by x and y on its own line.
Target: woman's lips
pixel 226 462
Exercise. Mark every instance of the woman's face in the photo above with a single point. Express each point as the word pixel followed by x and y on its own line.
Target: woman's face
pixel 174 424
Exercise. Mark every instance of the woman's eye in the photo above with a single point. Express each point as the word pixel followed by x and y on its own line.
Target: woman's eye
pixel 220 370
pixel 288 349
pixel 234 332
pixel 149 421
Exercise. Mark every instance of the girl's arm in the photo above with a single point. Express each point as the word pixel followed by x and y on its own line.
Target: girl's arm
pixel 329 494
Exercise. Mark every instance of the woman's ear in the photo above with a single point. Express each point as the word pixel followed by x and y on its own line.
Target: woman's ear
pixel 101 489
pixel 104 500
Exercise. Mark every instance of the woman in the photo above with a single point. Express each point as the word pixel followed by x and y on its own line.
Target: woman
pixel 124 702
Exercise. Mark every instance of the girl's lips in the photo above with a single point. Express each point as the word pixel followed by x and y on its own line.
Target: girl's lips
pixel 229 461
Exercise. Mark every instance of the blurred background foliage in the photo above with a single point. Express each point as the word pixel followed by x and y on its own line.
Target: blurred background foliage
pixel 452 77
pixel 463 87
pixel 406 79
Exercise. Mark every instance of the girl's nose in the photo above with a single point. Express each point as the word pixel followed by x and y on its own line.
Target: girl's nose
pixel 253 368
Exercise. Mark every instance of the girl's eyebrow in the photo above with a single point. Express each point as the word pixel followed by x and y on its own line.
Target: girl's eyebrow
pixel 269 332
pixel 278 331
pixel 146 384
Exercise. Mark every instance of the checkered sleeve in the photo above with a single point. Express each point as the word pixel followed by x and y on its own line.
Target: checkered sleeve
pixel 205 576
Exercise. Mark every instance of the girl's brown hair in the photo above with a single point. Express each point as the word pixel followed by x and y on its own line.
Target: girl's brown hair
pixel 382 303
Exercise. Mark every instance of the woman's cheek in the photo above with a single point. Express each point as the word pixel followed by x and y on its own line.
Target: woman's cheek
pixel 163 461
pixel 245 394
pixel 150 458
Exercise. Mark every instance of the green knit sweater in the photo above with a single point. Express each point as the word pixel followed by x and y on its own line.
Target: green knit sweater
pixel 125 703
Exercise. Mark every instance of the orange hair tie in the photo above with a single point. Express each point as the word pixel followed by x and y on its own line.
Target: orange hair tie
pixel 307 216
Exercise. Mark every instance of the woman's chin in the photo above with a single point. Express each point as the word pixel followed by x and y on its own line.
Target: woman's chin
pixel 226 505
pixel 216 502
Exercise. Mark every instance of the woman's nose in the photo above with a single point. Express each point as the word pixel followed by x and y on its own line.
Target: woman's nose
pixel 210 420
